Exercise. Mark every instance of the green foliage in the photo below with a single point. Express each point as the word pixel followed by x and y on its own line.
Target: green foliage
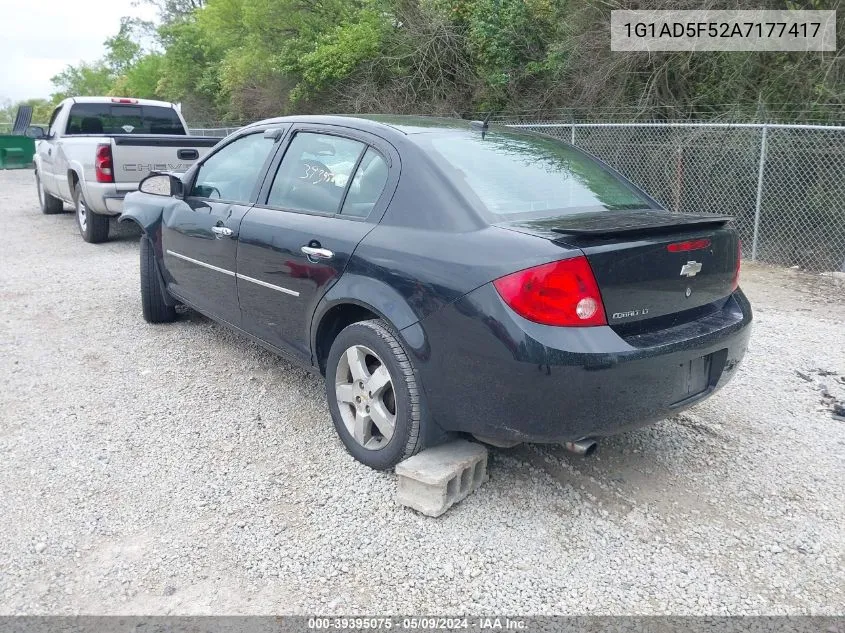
pixel 341 51
pixel 84 80
pixel 170 11
pixel 244 59
pixel 122 50
pixel 190 70
pixel 141 79
pixel 125 69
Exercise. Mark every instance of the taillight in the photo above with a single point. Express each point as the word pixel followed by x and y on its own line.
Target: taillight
pixel 735 281
pixel 558 293
pixel 103 164
pixel 123 100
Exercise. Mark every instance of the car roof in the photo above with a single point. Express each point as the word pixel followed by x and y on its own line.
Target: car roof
pixel 116 101
pixel 405 124
pixel 419 124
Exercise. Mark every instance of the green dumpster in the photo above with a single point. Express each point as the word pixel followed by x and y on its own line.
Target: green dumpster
pixel 16 151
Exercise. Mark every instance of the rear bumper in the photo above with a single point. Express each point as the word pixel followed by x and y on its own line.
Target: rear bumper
pixel 114 204
pixel 487 371
pixel 105 198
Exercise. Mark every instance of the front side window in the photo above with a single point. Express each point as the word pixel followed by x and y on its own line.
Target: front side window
pixel 521 176
pixel 113 118
pixel 232 172
pixel 314 172
pixel 52 125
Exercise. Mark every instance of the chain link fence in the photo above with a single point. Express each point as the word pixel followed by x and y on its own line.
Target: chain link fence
pixel 211 131
pixel 784 184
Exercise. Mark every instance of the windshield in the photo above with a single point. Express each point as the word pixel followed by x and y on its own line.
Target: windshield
pixel 518 176
pixel 108 118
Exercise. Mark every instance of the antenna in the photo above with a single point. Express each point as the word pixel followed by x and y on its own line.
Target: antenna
pixel 483 125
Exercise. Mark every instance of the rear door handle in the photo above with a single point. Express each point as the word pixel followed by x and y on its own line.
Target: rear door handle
pixel 222 231
pixel 317 253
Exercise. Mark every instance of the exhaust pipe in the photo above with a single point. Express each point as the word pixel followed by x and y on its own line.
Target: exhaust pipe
pixel 585 446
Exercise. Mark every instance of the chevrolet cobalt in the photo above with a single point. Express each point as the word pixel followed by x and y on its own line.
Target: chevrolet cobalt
pixel 448 278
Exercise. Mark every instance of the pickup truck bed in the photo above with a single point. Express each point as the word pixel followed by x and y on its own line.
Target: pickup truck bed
pixel 99 148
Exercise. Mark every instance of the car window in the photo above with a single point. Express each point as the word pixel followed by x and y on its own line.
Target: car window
pixel 522 176
pixel 314 172
pixel 110 118
pixel 232 172
pixel 52 130
pixel 367 185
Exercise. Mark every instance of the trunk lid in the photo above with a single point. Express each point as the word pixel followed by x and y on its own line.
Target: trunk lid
pixel 650 264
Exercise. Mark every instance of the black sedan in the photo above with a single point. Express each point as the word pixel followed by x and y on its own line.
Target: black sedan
pixel 448 278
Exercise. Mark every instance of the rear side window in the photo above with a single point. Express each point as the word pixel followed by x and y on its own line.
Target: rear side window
pixel 519 176
pixel 314 172
pixel 366 186
pixel 112 118
pixel 232 172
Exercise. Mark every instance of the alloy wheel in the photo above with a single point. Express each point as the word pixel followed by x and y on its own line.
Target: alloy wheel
pixel 365 397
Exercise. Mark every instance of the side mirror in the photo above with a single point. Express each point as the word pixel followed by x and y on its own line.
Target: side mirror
pixel 159 184
pixel 36 132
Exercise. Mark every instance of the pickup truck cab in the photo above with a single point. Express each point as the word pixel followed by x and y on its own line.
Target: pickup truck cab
pixel 97 149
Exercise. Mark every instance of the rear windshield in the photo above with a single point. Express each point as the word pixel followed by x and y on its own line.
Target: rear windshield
pixel 518 176
pixel 109 118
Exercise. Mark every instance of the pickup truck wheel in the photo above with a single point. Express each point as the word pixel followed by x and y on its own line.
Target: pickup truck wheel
pixel 375 401
pixel 49 204
pixel 93 227
pixel 153 304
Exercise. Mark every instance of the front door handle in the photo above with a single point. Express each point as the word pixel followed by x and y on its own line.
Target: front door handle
pixel 222 231
pixel 317 253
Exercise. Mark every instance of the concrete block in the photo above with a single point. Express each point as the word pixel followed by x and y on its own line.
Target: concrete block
pixel 434 480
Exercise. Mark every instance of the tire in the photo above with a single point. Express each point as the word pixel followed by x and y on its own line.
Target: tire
pixel 49 204
pixel 376 344
pixel 153 304
pixel 93 227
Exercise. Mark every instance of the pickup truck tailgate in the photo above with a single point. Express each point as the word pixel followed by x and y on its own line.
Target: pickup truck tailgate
pixel 134 156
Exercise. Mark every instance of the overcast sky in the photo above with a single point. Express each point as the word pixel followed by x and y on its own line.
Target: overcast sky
pixel 38 38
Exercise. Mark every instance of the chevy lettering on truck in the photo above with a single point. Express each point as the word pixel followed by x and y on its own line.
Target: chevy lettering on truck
pixel 158 167
pixel 97 149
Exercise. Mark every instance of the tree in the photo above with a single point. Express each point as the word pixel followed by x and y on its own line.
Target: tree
pixel 125 69
pixel 243 59
pixel 190 69
pixel 170 11
pixel 124 49
pixel 83 80
pixel 141 79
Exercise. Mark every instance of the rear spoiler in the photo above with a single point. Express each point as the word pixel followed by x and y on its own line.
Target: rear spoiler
pixel 634 223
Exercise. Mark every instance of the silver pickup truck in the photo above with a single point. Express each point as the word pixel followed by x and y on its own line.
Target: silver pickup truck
pixel 97 149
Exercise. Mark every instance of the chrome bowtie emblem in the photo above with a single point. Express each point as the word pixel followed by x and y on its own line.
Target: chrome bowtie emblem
pixel 690 269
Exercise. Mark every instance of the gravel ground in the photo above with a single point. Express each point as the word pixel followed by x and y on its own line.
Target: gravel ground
pixel 180 469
